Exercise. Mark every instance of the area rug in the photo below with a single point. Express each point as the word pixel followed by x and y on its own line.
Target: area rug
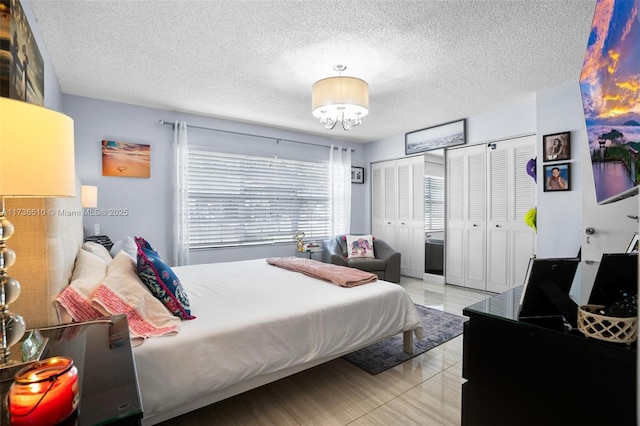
pixel 439 327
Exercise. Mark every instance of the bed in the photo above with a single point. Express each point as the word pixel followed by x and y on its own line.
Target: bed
pixel 255 323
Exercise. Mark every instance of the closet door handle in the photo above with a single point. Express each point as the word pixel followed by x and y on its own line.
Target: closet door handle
pixel 497 226
pixel 474 225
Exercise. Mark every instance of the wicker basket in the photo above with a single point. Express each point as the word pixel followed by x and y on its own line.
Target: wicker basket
pixel 610 329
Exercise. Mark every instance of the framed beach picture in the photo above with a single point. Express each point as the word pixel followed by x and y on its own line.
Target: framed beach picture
pixel 125 159
pixel 557 146
pixel 437 137
pixel 557 177
pixel 357 174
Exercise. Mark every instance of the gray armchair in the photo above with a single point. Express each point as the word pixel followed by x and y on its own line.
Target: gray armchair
pixel 386 264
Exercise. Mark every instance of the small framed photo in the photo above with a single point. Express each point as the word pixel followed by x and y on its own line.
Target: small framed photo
pixel 357 174
pixel 557 177
pixel 557 146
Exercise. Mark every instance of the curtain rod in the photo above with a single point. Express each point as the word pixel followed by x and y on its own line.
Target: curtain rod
pixel 278 140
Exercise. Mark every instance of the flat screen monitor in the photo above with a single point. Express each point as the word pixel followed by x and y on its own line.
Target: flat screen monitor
pixel 618 272
pixel 546 290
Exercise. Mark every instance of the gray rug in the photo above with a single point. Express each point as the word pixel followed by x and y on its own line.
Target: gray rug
pixel 439 327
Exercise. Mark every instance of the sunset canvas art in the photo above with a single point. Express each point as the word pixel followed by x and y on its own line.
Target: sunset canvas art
pixel 126 159
pixel 610 86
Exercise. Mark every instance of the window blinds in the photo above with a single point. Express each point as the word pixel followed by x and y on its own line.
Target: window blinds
pixel 237 199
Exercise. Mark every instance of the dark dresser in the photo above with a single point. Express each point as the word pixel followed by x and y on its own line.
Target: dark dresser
pixel 522 374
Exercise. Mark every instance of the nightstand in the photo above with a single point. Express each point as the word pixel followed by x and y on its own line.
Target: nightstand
pixel 101 351
pixel 101 239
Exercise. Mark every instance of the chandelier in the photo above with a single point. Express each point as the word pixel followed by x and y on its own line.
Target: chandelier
pixel 344 99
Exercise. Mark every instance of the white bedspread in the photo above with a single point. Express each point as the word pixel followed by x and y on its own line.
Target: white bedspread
pixel 254 319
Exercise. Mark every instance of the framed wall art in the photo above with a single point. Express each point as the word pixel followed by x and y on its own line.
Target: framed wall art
pixel 557 177
pixel 557 146
pixel 357 174
pixel 126 159
pixel 437 137
pixel 21 64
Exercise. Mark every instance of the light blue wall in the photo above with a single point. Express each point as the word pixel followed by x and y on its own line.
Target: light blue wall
pixel 148 201
pixel 559 109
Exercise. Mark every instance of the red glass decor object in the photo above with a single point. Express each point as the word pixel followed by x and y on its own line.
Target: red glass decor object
pixel 44 393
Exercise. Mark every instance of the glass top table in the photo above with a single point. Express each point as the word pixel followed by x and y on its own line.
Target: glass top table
pixel 101 351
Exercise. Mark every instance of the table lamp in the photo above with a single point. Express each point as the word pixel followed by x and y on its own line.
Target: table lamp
pixel 89 196
pixel 36 161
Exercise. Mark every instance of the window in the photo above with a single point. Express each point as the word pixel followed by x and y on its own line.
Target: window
pixel 237 199
pixel 433 203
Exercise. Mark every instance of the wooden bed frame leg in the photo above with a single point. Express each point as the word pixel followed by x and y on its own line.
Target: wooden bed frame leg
pixel 407 341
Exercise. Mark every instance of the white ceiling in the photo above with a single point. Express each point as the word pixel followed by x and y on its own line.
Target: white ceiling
pixel 427 62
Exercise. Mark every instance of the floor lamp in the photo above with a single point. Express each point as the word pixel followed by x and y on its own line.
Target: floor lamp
pixel 36 161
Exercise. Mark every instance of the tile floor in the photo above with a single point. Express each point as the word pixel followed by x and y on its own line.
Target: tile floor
pixel 425 390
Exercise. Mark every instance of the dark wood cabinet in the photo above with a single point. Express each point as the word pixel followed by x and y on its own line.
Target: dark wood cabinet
pixel 522 374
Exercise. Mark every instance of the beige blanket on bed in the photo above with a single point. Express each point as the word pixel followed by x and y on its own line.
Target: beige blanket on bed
pixel 339 275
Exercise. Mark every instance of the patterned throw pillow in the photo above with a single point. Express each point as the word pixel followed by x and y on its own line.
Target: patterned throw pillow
pixel 360 246
pixel 162 281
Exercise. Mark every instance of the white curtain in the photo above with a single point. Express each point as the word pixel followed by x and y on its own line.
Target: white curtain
pixel 181 195
pixel 340 190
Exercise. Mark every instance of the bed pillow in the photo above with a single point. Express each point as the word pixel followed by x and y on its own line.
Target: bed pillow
pixel 74 302
pixel 360 246
pixel 127 245
pixel 162 281
pixel 97 249
pixel 122 292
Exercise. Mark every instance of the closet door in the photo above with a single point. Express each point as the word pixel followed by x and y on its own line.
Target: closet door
pixel 498 226
pixel 455 214
pixel 510 242
pixel 475 223
pixel 410 222
pixel 523 195
pixel 466 220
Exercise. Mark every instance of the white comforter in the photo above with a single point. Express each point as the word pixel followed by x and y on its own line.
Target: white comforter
pixel 254 319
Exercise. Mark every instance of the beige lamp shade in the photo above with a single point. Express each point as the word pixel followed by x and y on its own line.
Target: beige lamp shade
pixel 340 95
pixel 36 151
pixel 89 196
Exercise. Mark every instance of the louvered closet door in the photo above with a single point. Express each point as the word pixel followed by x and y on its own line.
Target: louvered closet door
pixel 410 222
pixel 511 193
pixel 523 237
pixel 475 247
pixel 498 227
pixel 455 213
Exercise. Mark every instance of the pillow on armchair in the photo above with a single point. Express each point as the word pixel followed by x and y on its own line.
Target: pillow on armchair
pixel 360 246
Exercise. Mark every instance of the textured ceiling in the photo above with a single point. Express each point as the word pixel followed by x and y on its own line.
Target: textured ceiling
pixel 426 62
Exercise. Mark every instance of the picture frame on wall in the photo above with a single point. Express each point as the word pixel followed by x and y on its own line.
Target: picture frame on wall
pixel 357 174
pixel 557 146
pixel 125 159
pixel 441 136
pixel 557 177
pixel 21 63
